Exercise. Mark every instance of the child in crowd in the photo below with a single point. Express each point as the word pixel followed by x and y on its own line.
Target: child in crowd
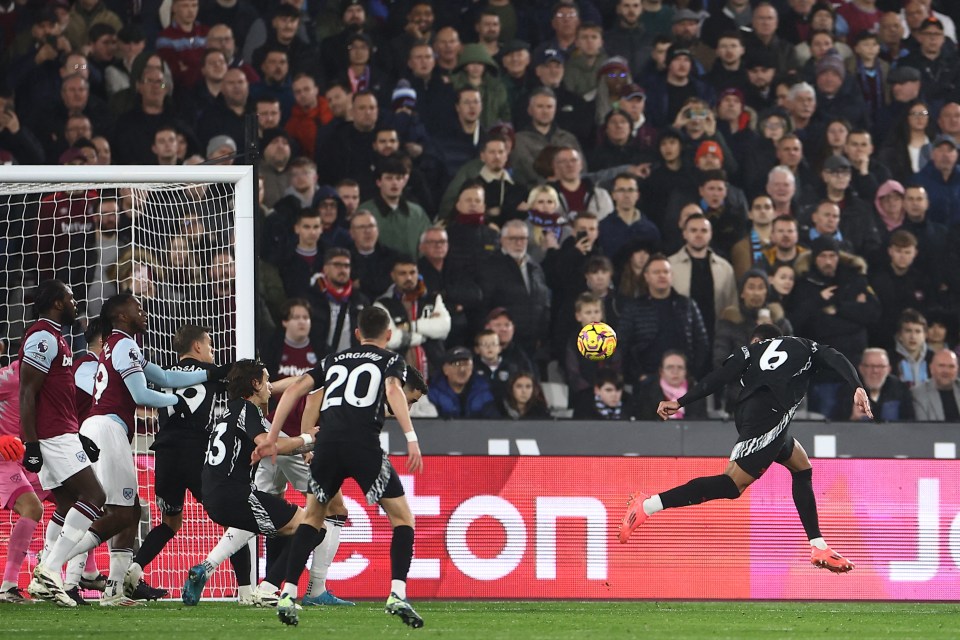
pixel 911 358
pixel 607 402
pixel 524 399
pixel 582 373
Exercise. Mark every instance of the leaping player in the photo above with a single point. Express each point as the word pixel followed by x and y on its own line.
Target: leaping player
pixel 774 372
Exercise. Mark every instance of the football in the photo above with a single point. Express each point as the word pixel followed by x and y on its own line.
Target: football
pixel 597 341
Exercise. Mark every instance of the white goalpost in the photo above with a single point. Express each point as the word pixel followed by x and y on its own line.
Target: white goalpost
pixel 181 239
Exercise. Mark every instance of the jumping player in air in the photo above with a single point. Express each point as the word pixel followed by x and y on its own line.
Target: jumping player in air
pixel 774 372
pixel 355 384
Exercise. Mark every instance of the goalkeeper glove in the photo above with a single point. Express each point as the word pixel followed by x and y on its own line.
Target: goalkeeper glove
pixel 11 449
pixel 219 373
pixel 32 458
pixel 89 447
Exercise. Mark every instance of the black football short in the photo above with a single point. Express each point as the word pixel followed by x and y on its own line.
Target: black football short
pixel 335 462
pixel 249 510
pixel 764 428
pixel 176 471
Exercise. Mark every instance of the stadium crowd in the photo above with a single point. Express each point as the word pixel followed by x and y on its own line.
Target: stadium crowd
pixel 497 173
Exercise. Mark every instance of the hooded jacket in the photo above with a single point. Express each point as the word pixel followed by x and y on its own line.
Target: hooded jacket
pixel 496 106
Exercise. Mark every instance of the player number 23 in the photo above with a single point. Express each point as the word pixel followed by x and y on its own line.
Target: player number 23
pixel 338 375
pixel 772 358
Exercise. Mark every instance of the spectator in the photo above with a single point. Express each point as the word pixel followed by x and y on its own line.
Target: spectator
pixel 489 363
pixel 461 144
pixel 165 146
pixel 868 172
pixel 616 148
pixel 938 399
pixel 782 280
pixel 435 96
pixel 899 285
pixel 334 50
pixel 625 223
pixel 477 69
pixel 460 392
pixel 239 15
pixel 836 97
pixel 102 49
pixel 574 113
pixel 672 382
pixel 671 173
pixel 502 196
pixel 349 192
pixel 784 236
pixel 764 39
pixel 749 251
pixel 303 184
pixel 761 70
pixel 487 26
pixel 517 77
pixel 181 44
pixel 542 131
pixel 724 206
pixel 203 96
pixel 700 274
pixel 580 72
pixel 371 260
pixel 577 194
pixel 275 82
pixel 225 116
pixel 400 221
pixel 306 262
pixel 448 48
pixel 333 217
pixel 420 320
pixel 274 168
pixel 628 38
pixel 833 302
pixel 83 16
pixel 511 279
pixel 419 27
pixel 853 225
pixel 347 149
pixel 607 402
pixel 15 138
pixel 135 129
pixel 283 34
pixel 334 303
pixel 938 67
pixel 564 22
pixel 310 112
pixel 524 399
pixel 907 148
pixel 667 95
pixel 546 222
pixel 941 179
pixel 659 320
pixel 221 37
pixel 911 355
pixel 890 399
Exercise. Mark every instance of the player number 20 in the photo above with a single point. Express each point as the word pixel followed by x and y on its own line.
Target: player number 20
pixel 772 358
pixel 338 375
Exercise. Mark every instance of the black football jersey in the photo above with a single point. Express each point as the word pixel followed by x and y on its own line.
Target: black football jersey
pixel 784 366
pixel 206 402
pixel 354 393
pixel 231 444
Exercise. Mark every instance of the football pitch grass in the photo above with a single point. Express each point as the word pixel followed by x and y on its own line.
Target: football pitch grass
pixel 474 620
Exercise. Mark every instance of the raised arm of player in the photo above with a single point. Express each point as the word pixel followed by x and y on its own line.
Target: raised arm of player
pixel 173 379
pixel 397 400
pixel 731 369
pixel 839 363
pixel 301 386
pixel 136 383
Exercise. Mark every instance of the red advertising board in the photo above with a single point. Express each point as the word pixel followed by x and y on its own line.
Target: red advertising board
pixel 541 527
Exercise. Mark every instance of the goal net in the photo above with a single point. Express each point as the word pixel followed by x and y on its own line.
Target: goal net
pixel 181 240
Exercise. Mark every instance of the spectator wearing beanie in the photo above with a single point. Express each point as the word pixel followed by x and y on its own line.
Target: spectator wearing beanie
pixel 838 96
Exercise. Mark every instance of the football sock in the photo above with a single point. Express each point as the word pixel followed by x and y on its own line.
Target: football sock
pixel 90 569
pixel 244 591
pixel 818 543
pixel 54 527
pixel 305 540
pixel 652 505
pixel 700 490
pixel 240 561
pixel 324 554
pixel 74 570
pixel 275 547
pixel 17 548
pixel 75 525
pixel 154 543
pixel 120 560
pixel 231 542
pixel 401 553
pixel 806 502
pixel 90 541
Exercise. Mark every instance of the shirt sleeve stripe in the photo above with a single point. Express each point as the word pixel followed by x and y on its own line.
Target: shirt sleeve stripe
pixel 35 364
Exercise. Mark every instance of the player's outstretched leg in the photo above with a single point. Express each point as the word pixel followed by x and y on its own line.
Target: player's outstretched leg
pixel 697 491
pixel 231 541
pixel 323 555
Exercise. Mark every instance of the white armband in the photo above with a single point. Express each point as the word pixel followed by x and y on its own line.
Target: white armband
pixel 307 439
pixel 411 436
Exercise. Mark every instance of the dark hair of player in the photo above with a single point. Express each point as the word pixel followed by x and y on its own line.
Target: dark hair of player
pixel 766 331
pixel 94 330
pixel 242 376
pixel 373 322
pixel 48 293
pixel 111 309
pixel 186 335
pixel 415 381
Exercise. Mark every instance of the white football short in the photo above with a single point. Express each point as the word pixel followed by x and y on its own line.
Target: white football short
pixel 273 478
pixel 115 468
pixel 63 457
